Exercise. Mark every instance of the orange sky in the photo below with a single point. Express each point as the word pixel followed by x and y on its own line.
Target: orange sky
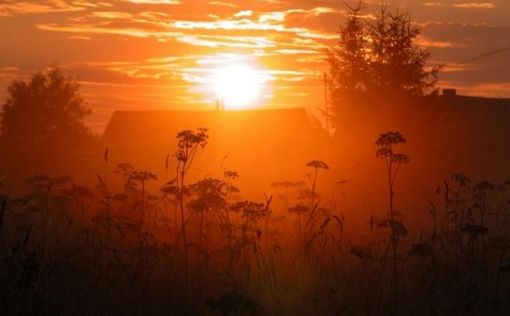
pixel 148 54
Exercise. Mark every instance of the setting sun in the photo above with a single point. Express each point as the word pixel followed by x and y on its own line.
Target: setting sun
pixel 237 86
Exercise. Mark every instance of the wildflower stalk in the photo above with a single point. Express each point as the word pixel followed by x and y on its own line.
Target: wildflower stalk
pixel 188 145
pixel 393 161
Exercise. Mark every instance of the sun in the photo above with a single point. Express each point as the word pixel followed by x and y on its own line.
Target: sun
pixel 237 86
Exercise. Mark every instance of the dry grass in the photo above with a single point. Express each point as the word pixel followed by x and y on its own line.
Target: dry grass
pixel 198 250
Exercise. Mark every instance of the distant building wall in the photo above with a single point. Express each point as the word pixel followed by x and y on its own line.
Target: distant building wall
pixel 449 92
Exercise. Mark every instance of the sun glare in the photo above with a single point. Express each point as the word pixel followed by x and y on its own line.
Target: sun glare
pixel 237 86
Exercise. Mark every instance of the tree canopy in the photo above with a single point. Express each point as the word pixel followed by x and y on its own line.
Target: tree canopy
pixel 42 122
pixel 379 58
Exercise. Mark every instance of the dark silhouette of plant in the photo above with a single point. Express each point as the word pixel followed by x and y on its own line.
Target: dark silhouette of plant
pixel 22 267
pixel 3 206
pixel 316 164
pixel 251 210
pixel 188 144
pixel 125 170
pixel 231 176
pixel 167 166
pixel 235 303
pixel 306 214
pixel 142 177
pixel 249 231
pixel 393 160
pixel 466 213
pixel 106 157
pixel 422 249
pixel 480 198
pixel 299 209
pixel 361 253
pixel 456 200
pixel 286 186
pixel 205 196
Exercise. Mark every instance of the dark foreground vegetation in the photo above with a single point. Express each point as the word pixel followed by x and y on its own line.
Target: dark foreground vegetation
pixel 196 249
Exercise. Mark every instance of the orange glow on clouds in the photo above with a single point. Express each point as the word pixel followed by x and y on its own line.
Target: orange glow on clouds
pixel 162 54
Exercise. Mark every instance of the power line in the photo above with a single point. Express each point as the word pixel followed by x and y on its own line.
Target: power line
pixel 485 55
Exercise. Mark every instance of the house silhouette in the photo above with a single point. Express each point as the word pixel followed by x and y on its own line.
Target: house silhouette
pixel 445 134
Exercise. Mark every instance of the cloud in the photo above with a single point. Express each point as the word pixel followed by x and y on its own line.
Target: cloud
pixel 223 4
pixel 463 5
pixel 244 13
pixel 474 5
pixel 227 41
pixel 429 43
pixel 78 37
pixel 214 31
pixel 93 29
pixel 153 1
pixel 111 15
pixel 13 8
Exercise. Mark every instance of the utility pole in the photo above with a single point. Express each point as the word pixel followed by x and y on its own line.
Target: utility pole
pixel 220 104
pixel 326 101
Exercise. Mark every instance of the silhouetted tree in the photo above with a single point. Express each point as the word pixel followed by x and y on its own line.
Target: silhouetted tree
pixel 398 65
pixel 378 59
pixel 349 61
pixel 42 123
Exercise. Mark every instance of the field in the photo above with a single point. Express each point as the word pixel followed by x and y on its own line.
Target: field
pixel 197 249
